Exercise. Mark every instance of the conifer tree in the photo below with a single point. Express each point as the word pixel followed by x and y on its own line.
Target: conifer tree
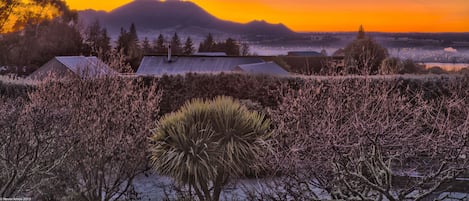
pixel 176 44
pixel 159 45
pixel 188 47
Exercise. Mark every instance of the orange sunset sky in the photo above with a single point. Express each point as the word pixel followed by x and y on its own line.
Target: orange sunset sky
pixel 332 15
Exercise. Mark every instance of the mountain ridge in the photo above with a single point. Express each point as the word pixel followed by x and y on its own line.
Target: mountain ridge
pixel 152 15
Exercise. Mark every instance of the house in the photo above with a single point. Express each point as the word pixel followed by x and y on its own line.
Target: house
pixel 73 66
pixel 161 65
pixel 268 68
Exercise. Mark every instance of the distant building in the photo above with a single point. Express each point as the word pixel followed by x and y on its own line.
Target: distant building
pixel 73 66
pixel 304 53
pixel 268 68
pixel 161 65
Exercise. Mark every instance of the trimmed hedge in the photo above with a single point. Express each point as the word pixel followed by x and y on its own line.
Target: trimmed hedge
pixel 9 90
pixel 267 90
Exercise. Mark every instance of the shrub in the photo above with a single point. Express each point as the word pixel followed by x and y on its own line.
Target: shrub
pixel 410 67
pixel 436 70
pixel 391 66
pixel 363 139
pixel 206 143
pixel 104 125
pixel 364 56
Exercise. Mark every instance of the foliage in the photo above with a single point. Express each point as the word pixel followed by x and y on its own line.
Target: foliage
pixel 31 147
pixel 188 47
pixel 97 42
pixel 366 139
pixel 436 70
pixel 159 45
pixel 13 90
pixel 207 143
pixel 146 47
pixel 39 43
pixel 176 48
pixel 364 56
pixel 17 14
pixel 230 46
pixel 108 122
pixel 78 139
pixel 128 44
pixel 411 67
pixel 262 89
pixel 391 66
pixel 208 44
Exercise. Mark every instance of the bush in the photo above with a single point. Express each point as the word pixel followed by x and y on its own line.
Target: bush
pixel 9 90
pixel 258 88
pixel 410 67
pixel 367 139
pixel 104 125
pixel 391 66
pixel 207 143
pixel 364 56
pixel 436 70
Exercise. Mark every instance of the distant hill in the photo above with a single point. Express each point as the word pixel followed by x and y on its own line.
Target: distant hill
pixel 184 16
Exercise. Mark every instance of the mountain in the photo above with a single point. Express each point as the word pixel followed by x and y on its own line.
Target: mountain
pixel 153 16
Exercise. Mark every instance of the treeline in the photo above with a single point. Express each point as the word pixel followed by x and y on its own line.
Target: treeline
pixel 36 39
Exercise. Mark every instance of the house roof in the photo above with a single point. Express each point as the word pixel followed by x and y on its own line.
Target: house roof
pixel 270 68
pixel 159 65
pixel 89 66
pixel 304 53
pixel 78 65
pixel 210 54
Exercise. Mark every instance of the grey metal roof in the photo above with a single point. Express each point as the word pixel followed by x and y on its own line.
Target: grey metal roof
pixel 62 67
pixel 85 66
pixel 100 66
pixel 159 65
pixel 304 53
pixel 213 54
pixel 269 68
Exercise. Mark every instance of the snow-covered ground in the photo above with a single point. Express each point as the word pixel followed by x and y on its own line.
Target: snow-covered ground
pixel 152 187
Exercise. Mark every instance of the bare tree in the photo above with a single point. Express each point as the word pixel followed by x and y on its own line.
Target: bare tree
pixel 362 139
pixel 109 123
pixel 31 146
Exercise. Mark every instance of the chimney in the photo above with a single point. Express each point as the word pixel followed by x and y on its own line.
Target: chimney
pixel 169 53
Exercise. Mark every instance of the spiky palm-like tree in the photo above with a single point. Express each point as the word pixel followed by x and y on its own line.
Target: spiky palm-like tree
pixel 206 143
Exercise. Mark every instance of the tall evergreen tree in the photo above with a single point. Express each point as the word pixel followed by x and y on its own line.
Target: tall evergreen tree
pixel 146 47
pixel 159 45
pixel 97 41
pixel 128 44
pixel 176 48
pixel 231 47
pixel 188 47
pixel 208 44
pixel 133 33
pixel 361 32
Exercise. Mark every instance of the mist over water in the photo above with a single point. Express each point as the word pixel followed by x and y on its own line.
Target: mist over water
pixel 453 60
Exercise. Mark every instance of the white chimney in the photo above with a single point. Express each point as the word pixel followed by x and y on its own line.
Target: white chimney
pixel 169 53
